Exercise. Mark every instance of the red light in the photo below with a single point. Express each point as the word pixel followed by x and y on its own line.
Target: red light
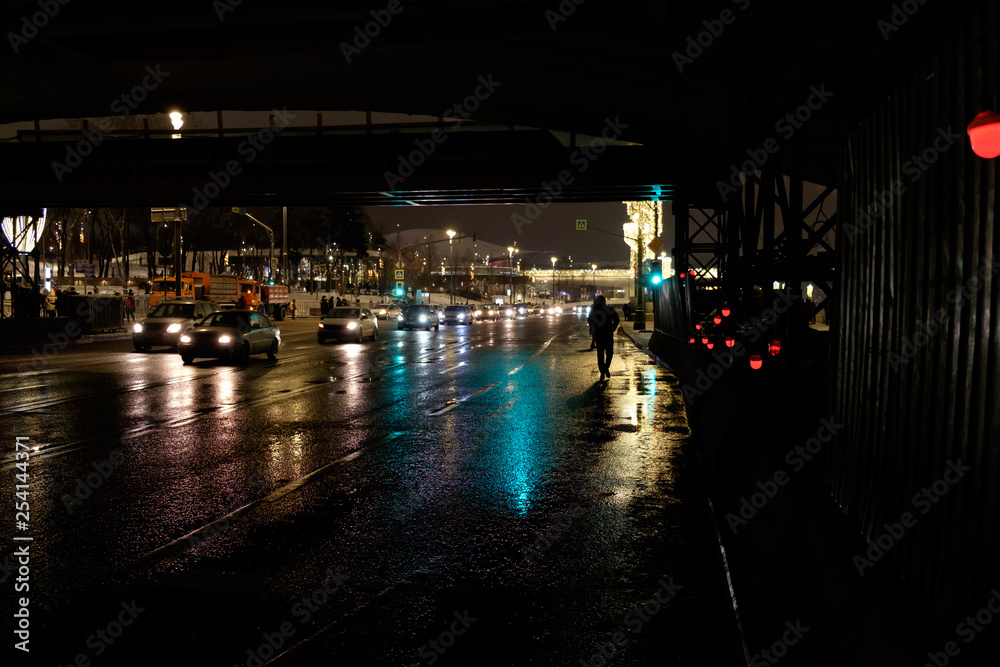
pixel 710 345
pixel 717 319
pixel 730 341
pixel 692 341
pixel 725 312
pixel 774 347
pixel 705 340
pixel 698 327
pixel 756 362
pixel 984 134
pixel 683 274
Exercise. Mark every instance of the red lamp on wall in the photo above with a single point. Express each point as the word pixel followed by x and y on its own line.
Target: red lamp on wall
pixel 726 311
pixel 774 347
pixel 698 327
pixel 984 134
pixel 717 319
pixel 710 345
pixel 756 362
pixel 730 341
pixel 704 340
pixel 692 341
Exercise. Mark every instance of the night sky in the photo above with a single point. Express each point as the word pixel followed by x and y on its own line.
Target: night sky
pixel 554 231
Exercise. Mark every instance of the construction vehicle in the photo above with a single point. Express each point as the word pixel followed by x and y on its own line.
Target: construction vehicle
pixel 271 300
pixel 220 288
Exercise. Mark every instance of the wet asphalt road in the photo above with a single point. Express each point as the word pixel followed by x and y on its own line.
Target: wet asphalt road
pixel 472 496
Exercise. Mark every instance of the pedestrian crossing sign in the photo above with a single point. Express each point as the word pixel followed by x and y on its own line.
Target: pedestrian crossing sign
pixel 399 274
pixel 581 225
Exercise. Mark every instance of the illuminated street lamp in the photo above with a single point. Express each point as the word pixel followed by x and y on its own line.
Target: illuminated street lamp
pixel 554 260
pixel 510 264
pixel 451 261
pixel 593 275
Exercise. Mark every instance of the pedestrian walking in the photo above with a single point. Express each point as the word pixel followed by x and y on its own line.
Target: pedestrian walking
pixel 322 307
pixel 604 320
pixel 292 308
pixel 130 307
pixel 50 303
pixel 627 311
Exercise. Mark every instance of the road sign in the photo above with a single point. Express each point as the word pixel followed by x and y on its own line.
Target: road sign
pixel 581 225
pixel 86 268
pixel 239 210
pixel 175 214
pixel 399 274
pixel 274 263
pixel 655 246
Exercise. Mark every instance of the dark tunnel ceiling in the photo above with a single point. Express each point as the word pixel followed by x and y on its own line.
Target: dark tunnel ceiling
pixel 605 60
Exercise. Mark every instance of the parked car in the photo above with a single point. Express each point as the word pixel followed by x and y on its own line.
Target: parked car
pixel 231 333
pixel 348 323
pixel 170 319
pixel 458 315
pixel 418 317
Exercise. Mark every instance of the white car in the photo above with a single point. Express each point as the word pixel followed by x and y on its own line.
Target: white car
pixel 348 324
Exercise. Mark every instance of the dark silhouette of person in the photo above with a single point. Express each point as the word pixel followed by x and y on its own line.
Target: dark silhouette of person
pixel 604 320
pixel 323 307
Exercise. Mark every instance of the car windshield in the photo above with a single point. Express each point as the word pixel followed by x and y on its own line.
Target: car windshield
pixel 174 310
pixel 227 319
pixel 345 313
pixel 416 310
pixel 452 309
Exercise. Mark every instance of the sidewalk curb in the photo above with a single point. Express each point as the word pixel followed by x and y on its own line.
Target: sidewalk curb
pixel 736 615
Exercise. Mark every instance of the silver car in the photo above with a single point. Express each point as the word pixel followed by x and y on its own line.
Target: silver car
pixel 165 325
pixel 348 324
pixel 231 333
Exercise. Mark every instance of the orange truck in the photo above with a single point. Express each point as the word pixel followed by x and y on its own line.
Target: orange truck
pixel 220 288
pixel 270 299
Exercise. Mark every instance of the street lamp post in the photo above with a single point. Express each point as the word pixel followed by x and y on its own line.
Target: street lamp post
pixel 510 264
pixel 451 262
pixel 593 277
pixel 554 260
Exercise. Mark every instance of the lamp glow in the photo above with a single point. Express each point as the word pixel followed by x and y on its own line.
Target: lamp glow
pixel 756 362
pixel 984 134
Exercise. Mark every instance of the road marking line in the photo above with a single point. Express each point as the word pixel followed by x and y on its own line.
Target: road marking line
pixel 458 365
pixel 179 543
pixel 540 350
pixel 454 403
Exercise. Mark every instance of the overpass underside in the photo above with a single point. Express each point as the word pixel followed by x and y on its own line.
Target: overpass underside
pixel 404 166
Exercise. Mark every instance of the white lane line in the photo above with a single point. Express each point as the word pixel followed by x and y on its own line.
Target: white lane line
pixel 458 365
pixel 451 405
pixel 180 542
pixel 536 354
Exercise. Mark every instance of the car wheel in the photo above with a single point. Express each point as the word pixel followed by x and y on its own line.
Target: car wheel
pixel 187 359
pixel 375 334
pixel 361 335
pixel 139 348
pixel 272 353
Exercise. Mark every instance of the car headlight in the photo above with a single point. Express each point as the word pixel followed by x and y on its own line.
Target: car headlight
pixel 400 318
pixel 461 316
pixel 173 328
pixel 185 338
pixel 224 339
pixel 352 325
pixel 382 312
pixel 423 318
pixel 137 327
pixel 321 326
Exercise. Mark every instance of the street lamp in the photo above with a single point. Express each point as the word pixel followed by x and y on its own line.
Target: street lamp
pixel 451 262
pixel 510 264
pixel 554 260
pixel 593 277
